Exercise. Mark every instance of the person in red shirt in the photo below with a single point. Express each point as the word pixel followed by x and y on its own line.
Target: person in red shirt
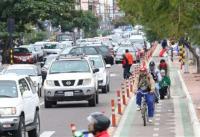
pixel 98 124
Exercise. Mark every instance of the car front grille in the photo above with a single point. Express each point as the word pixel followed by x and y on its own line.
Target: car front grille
pixel 68 82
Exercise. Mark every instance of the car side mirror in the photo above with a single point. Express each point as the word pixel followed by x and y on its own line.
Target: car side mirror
pixel 108 66
pixel 27 94
pixel 95 70
pixel 42 64
pixel 35 84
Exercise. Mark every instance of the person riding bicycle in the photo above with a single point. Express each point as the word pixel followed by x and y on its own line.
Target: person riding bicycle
pixel 164 84
pixel 145 84
pixel 163 66
pixel 98 124
pixel 156 77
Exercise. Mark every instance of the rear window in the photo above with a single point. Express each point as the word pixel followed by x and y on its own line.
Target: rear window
pixel 21 50
pixel 104 49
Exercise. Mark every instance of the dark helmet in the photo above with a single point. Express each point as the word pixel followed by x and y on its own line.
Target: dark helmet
pixel 152 63
pixel 162 61
pixel 101 122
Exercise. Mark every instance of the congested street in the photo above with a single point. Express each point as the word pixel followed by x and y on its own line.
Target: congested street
pixel 99 68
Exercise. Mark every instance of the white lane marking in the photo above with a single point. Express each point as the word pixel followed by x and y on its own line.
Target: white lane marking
pixel 169 110
pixel 158 110
pixel 47 133
pixel 155 135
pixel 156 129
pixel 41 103
pixel 113 75
pixel 159 104
pixel 157 119
pixel 158 107
pixel 157 115
pixel 156 123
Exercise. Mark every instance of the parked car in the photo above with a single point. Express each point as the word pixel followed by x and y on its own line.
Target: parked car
pixel 71 79
pixel 104 74
pixel 121 51
pixel 26 69
pixel 24 55
pixel 19 107
pixel 91 50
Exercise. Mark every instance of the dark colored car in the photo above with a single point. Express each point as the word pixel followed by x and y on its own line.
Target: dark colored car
pixel 23 55
pixel 91 50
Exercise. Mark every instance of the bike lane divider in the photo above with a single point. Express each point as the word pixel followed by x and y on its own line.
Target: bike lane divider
pixel 47 133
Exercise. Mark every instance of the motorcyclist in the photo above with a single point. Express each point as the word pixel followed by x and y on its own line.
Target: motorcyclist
pixel 98 124
pixel 163 66
pixel 145 84
pixel 156 77
pixel 164 84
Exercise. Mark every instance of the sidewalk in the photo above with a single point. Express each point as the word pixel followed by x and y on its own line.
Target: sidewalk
pixel 192 81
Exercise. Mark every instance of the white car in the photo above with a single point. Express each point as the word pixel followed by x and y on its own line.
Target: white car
pixel 39 50
pixel 71 79
pixel 27 69
pixel 19 106
pixel 104 74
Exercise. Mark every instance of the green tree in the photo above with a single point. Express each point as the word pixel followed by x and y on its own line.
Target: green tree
pixel 166 18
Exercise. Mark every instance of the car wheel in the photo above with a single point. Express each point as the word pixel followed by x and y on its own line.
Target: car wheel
pixel 104 89
pixel 92 102
pixel 36 131
pixel 47 104
pixel 108 87
pixel 97 97
pixel 21 131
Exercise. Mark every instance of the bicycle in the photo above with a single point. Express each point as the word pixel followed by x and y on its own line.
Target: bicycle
pixel 144 109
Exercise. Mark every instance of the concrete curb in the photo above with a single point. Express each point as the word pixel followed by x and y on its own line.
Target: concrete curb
pixel 192 112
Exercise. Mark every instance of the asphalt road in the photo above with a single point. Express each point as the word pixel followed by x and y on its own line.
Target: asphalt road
pixel 55 121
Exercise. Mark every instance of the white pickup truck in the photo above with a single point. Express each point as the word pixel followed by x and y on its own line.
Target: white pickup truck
pixel 19 106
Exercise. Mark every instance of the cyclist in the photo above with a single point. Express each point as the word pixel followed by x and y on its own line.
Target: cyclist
pixel 164 84
pixel 156 77
pixel 145 84
pixel 163 65
pixel 98 124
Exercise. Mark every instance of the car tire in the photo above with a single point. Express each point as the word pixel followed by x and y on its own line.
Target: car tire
pixel 108 87
pixel 92 101
pixel 104 89
pixel 21 131
pixel 97 97
pixel 47 104
pixel 36 131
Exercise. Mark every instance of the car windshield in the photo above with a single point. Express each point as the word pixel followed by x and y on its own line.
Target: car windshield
pixel 29 72
pixel 69 66
pixel 21 50
pixel 98 63
pixel 8 89
pixel 51 46
pixel 122 49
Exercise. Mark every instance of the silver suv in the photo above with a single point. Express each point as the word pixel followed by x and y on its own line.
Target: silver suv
pixel 71 79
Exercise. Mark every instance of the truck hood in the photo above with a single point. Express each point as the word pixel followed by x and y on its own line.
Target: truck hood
pixel 9 102
pixel 69 76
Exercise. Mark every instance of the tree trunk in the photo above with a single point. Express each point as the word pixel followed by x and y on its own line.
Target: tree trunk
pixel 196 57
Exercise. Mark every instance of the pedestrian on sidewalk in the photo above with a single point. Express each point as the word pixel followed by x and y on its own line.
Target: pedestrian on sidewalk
pixel 145 85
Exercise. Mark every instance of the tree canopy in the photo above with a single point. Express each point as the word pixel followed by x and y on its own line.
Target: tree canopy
pixel 165 18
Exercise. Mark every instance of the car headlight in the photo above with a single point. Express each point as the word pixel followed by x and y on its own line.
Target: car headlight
pixel 8 111
pixel 50 83
pixel 86 82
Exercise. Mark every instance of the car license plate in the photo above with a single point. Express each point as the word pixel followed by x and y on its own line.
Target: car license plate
pixel 69 94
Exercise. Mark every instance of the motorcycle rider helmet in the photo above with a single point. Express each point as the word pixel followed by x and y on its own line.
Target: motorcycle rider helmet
pixel 100 121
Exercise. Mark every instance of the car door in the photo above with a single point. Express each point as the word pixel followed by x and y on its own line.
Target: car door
pixel 28 101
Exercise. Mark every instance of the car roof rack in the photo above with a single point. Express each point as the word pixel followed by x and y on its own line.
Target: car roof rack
pixel 82 56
